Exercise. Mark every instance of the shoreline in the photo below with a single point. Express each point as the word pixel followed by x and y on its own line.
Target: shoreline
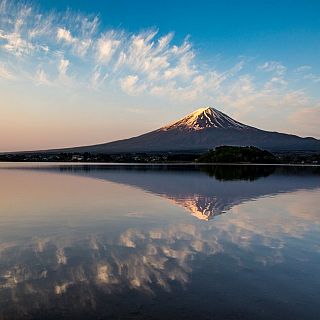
pixel 157 164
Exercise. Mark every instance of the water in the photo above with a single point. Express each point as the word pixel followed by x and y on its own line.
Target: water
pixel 159 242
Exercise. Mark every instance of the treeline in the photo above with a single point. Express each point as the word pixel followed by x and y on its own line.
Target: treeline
pixel 230 154
pixel 222 154
pixel 250 154
pixel 93 157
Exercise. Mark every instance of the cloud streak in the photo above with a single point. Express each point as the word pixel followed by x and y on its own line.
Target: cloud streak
pixel 59 48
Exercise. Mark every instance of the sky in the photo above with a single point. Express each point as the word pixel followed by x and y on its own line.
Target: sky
pixel 76 72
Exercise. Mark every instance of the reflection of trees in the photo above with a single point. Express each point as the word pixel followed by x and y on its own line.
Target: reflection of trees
pixel 253 172
pixel 225 173
pixel 220 172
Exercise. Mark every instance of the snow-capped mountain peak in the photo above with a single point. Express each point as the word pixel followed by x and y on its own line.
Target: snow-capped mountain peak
pixel 205 118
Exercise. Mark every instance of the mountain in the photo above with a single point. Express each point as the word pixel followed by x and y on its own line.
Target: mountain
pixel 205 118
pixel 201 130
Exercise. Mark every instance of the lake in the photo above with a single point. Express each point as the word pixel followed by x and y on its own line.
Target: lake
pixel 159 242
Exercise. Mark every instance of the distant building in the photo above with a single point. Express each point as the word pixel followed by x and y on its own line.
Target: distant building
pixel 77 157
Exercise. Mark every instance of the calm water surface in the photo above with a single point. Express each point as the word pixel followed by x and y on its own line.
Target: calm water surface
pixel 159 242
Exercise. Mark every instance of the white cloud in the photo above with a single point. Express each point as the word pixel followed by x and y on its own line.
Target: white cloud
pixel 145 55
pixel 83 46
pixel 106 47
pixel 42 26
pixel 41 78
pixel 11 30
pixel 98 77
pixel 65 35
pixel 145 63
pixel 63 66
pixel 184 69
pixel 273 66
pixel 14 43
pixel 155 58
pixel 130 84
pixel 275 81
pixel 79 46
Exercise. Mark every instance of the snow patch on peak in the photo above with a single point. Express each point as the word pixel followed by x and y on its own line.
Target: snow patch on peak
pixel 203 118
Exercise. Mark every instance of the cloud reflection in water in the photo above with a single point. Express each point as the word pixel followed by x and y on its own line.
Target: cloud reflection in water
pixel 141 254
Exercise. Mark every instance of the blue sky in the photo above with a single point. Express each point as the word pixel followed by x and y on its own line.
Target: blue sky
pixel 78 72
pixel 254 28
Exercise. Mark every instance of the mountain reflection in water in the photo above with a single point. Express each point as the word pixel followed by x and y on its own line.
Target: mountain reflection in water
pixel 101 243
pixel 205 191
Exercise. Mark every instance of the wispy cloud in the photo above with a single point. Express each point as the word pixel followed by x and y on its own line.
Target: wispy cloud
pixel 312 77
pixel 59 48
pixel 65 35
pixel 79 46
pixel 303 68
pixel 130 84
pixel 41 78
pixel 107 45
pixel 273 66
pixel 5 73
pixel 34 38
pixel 63 67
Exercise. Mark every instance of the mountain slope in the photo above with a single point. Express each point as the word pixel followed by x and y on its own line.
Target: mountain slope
pixel 203 129
pixel 205 118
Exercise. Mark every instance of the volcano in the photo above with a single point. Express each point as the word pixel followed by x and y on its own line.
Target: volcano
pixel 202 130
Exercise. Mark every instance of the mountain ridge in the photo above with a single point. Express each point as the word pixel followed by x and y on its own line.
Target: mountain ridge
pixel 200 131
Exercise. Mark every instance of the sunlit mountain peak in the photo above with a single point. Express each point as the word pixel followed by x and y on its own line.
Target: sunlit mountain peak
pixel 203 118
